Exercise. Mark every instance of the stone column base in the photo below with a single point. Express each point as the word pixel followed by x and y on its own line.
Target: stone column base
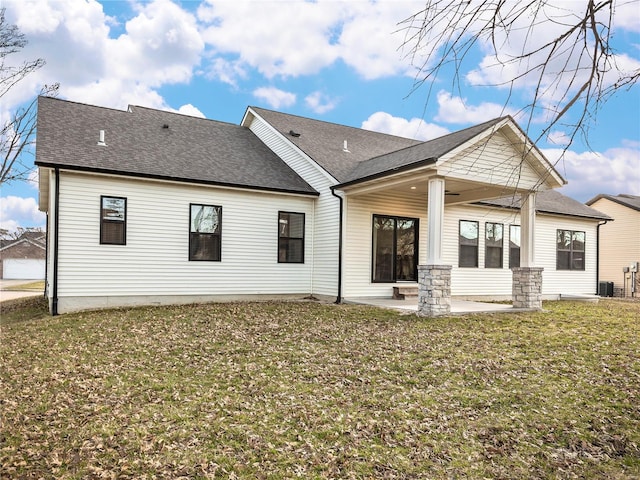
pixel 527 287
pixel 434 290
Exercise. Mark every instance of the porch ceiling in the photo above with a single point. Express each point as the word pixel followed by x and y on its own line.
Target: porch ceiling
pixel 416 186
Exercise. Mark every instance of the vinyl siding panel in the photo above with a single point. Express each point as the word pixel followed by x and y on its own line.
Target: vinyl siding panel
pixel 496 281
pixel 495 161
pixel 155 259
pixel 358 239
pixel 465 282
pixel 619 240
pixel 327 207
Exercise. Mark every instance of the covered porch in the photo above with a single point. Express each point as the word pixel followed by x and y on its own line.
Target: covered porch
pixel 495 163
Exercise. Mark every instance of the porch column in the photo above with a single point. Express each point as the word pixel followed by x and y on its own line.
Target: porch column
pixel 527 279
pixel 434 278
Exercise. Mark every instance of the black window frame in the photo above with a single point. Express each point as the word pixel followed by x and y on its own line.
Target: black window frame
pixel 284 242
pixel 214 237
pixel 488 247
pixel 394 254
pixel 107 223
pixel 461 246
pixel 572 254
pixel 514 249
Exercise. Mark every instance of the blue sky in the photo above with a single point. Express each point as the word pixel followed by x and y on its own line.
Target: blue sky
pixel 339 61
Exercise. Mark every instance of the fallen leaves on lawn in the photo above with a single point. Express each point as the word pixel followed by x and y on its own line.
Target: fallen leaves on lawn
pixel 301 389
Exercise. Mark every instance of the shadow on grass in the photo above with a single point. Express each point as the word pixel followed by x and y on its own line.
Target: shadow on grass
pixel 23 309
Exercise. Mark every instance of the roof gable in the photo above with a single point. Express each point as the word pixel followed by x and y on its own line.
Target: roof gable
pixel 324 141
pixel 157 144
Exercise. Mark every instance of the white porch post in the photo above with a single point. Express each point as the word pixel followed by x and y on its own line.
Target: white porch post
pixel 527 279
pixel 435 221
pixel 527 230
pixel 434 278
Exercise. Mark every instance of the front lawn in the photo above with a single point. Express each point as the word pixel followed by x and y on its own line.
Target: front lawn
pixel 284 390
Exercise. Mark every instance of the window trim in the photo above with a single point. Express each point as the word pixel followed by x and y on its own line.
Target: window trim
pixel 104 221
pixel 416 246
pixel 487 246
pixel 219 234
pixel 511 257
pixel 304 226
pixel 571 251
pixel 477 245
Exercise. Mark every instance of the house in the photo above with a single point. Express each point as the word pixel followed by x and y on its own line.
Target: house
pixel 619 252
pixel 24 257
pixel 153 207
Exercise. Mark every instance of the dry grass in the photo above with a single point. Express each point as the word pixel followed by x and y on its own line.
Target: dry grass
pixel 283 390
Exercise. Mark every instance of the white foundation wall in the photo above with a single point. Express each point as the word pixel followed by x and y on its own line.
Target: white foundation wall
pixel 154 263
pixel 478 282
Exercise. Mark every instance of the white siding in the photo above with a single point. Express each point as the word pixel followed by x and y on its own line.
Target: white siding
pixel 327 207
pixel 358 239
pixel 492 281
pixel 465 282
pixel 155 259
pixel 493 161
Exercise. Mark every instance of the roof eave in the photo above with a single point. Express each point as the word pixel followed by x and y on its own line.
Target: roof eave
pixel 387 173
pixel 547 212
pixel 104 171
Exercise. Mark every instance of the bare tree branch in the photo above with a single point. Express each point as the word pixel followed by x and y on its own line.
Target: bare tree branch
pixel 17 134
pixel 571 75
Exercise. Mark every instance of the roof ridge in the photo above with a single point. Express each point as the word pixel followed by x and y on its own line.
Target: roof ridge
pixel 332 123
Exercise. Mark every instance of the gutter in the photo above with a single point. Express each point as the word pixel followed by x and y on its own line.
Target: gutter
pixel 56 202
pixel 598 255
pixel 339 298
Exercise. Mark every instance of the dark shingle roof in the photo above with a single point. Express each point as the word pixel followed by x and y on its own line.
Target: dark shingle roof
pixel 551 201
pixel 425 152
pixel 190 149
pixel 324 141
pixel 631 201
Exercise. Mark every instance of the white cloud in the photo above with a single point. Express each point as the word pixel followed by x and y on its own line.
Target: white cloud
pixel 190 110
pixel 415 128
pixel 320 103
pixel 614 171
pixel 20 212
pixel 558 138
pixel 457 110
pixel 563 74
pixel 275 97
pixel 160 45
pixel 264 36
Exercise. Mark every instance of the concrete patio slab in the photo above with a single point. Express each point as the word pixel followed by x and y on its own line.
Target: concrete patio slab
pixel 458 307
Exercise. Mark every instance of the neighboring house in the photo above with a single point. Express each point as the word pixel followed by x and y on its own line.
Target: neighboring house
pixel 23 258
pixel 150 207
pixel 620 242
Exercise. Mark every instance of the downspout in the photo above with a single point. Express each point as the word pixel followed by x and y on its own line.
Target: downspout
pixel 339 299
pixel 46 256
pixel 598 256
pixel 56 202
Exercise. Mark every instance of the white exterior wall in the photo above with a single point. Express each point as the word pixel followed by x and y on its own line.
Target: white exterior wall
pixel 155 260
pixel 359 237
pixel 465 282
pixel 494 281
pixel 327 207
